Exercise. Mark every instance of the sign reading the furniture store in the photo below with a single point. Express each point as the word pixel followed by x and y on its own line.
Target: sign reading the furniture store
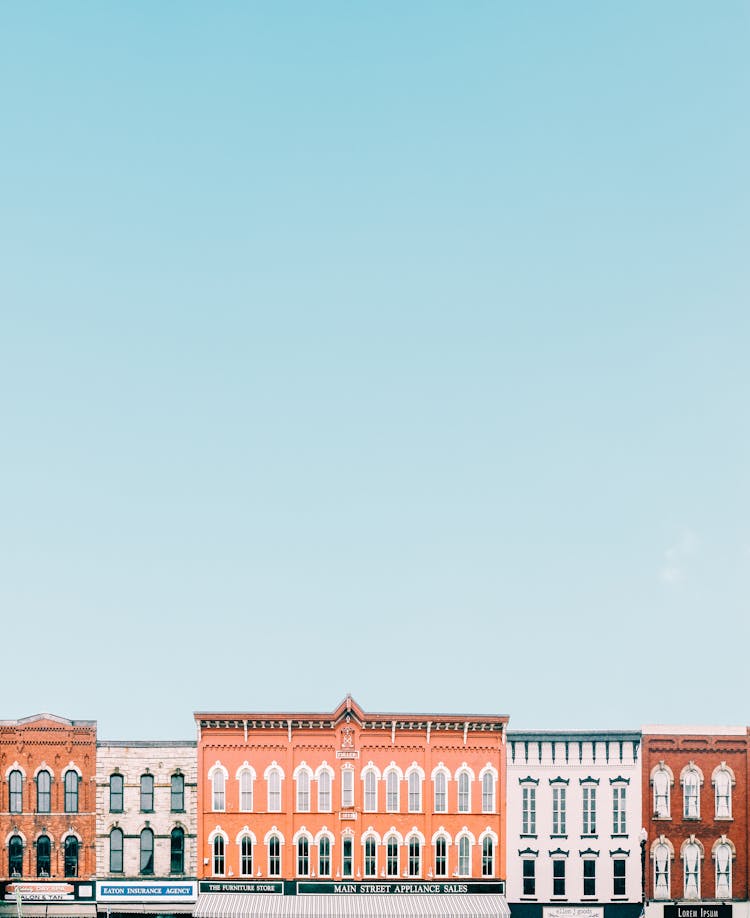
pixel 698 910
pixel 241 886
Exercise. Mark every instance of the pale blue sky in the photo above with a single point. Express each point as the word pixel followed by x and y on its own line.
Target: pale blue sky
pixel 398 349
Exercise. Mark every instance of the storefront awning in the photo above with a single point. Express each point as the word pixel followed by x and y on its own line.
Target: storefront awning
pixel 147 908
pixel 444 905
pixel 48 910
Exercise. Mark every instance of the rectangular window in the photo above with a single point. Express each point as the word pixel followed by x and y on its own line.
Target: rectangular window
pixel 528 820
pixel 370 863
pixel 147 793
pixel 246 792
pixel 589 877
pixel 619 825
pixel 347 851
pixel 347 787
pixel 441 797
pixel 116 785
pixel 589 810
pixel 441 857
pixel 558 811
pixel 371 791
pixel 618 876
pixel 43 795
pixel 529 877
pixel 177 794
pixel 558 877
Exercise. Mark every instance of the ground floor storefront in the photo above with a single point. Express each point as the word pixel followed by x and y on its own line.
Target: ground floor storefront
pixel 47 899
pixel 573 910
pixel 318 899
pixel 158 898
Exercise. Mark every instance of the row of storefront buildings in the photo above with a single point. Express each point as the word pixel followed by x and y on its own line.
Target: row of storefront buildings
pixel 356 813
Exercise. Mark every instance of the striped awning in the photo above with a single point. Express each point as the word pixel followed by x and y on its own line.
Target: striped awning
pixel 238 905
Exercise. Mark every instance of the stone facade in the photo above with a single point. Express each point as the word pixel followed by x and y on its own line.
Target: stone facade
pixel 148 801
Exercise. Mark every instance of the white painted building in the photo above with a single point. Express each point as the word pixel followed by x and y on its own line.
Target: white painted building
pixel 574 824
pixel 146 806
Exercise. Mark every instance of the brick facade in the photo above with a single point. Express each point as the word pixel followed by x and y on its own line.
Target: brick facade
pixel 31 749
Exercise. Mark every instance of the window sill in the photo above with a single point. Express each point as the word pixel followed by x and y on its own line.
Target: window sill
pixel 620 835
pixel 620 898
pixel 589 835
pixel 529 898
pixel 724 818
pixel 528 835
pixel 589 898
pixel 558 836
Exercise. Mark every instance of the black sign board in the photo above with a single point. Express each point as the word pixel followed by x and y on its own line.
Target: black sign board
pixel 698 910
pixel 401 888
pixel 241 886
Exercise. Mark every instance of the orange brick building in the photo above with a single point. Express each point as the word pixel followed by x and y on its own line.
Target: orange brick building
pixel 349 805
pixel 48 814
pixel 695 816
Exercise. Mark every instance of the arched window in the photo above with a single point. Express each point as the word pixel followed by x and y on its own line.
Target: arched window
pixel 70 854
pixel 274 790
pixel 246 776
pixel 415 857
pixel 441 856
pixel 391 792
pixel 441 792
pixel 464 856
pixel 147 793
pixel 464 792
pixel 115 851
pixel 147 853
pixel 303 793
pixel 43 791
pixel 662 857
pixel 324 856
pixel 488 856
pixel 218 790
pixel 371 857
pixel 218 850
pixel 371 791
pixel 324 791
pixel 43 856
pixel 15 856
pixel 274 856
pixel 71 791
pixel 391 856
pixel 116 791
pixel 177 850
pixel 488 791
pixel 415 791
pixel 691 784
pixel 723 862
pixel 177 793
pixel 303 856
pixel 246 856
pixel 15 791
pixel 723 779
pixel 661 780
pixel 691 859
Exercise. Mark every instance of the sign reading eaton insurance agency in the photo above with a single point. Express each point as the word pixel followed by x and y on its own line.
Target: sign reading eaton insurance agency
pixel 107 891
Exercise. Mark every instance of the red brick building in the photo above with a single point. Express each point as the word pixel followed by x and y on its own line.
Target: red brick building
pixel 695 815
pixel 47 814
pixel 337 808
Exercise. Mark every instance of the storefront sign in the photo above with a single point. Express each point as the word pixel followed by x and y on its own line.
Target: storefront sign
pixel 698 910
pixel 571 911
pixel 397 889
pixel 40 892
pixel 241 886
pixel 119 892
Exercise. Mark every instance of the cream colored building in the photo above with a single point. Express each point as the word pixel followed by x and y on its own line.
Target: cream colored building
pixel 146 806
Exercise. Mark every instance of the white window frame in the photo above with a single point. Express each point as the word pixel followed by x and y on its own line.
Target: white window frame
pixel 392 776
pixel 662 848
pixel 414 778
pixel 370 779
pixel 488 776
pixel 347 786
pixel 691 779
pixel 619 809
pixel 559 809
pixel 662 781
pixel 464 781
pixel 721 849
pixel 274 776
pixel 528 808
pixel 245 777
pixel 441 774
pixel 723 775
pixel 324 777
pixel 218 776
pixel 303 780
pixel 588 814
pixel 691 877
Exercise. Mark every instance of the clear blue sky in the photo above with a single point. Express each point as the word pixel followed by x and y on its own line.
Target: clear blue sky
pixel 398 349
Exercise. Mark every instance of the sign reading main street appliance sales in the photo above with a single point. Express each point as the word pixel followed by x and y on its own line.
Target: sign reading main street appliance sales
pixel 398 889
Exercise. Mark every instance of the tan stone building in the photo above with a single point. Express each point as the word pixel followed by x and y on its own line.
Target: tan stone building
pixel 146 808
